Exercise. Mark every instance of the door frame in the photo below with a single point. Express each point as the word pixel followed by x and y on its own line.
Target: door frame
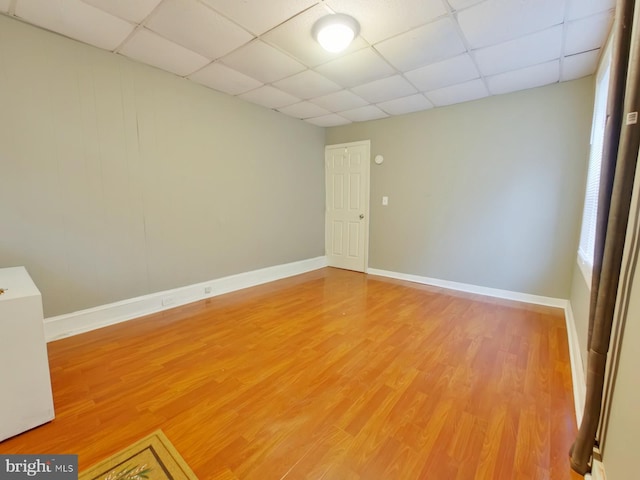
pixel 366 190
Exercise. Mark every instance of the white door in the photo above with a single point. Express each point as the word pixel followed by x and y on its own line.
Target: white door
pixel 347 208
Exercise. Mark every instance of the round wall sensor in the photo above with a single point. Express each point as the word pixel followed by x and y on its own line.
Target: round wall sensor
pixel 379 159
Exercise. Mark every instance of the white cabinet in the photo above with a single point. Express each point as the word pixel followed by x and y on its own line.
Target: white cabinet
pixel 25 383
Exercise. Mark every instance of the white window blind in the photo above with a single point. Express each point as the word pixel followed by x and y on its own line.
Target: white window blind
pixel 588 232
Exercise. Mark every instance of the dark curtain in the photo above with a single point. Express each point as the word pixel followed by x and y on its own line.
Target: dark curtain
pixel 619 159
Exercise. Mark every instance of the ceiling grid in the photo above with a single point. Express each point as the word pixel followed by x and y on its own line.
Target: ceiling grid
pixel 410 55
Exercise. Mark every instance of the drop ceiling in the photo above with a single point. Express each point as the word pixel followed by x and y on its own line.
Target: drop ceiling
pixel 410 55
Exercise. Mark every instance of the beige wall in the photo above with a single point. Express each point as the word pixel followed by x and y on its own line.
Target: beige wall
pixel 487 193
pixel 621 448
pixel 117 179
pixel 620 443
pixel 580 298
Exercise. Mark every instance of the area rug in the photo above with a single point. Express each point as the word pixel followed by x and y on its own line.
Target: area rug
pixel 151 458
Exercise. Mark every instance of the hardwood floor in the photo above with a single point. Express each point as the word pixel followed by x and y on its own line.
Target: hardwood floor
pixel 327 375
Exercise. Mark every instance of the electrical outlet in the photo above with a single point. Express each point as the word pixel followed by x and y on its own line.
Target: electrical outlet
pixel 168 300
pixel 207 289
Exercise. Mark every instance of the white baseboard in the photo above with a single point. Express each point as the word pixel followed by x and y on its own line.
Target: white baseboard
pixel 465 287
pixel 577 369
pixel 597 471
pixel 90 319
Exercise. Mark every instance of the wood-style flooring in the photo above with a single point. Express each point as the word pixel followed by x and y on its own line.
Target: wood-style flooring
pixel 327 375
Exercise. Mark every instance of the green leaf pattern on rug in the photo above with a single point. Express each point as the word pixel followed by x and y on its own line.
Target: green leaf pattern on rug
pixel 138 472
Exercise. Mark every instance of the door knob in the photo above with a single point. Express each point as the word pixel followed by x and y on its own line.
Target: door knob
pixel 361 216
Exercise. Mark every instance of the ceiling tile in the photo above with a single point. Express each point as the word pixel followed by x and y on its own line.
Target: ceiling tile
pixel 587 34
pixel 427 44
pixel 356 68
pixel 522 79
pixel 197 27
pixel 389 17
pixel 384 89
pixel 304 110
pixel 342 100
pixel 362 114
pixel 410 54
pixel 134 11
pixel 307 84
pixel 460 4
pixel 400 106
pixel 463 92
pixel 270 97
pixel 152 49
pixel 455 70
pixel 585 8
pixel 580 65
pixel 295 38
pixel 331 120
pixel 224 79
pixel 263 62
pixel 522 52
pixel 258 16
pixel 76 19
pixel 495 21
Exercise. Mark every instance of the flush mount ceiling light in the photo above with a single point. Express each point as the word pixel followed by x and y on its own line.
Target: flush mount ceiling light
pixel 335 32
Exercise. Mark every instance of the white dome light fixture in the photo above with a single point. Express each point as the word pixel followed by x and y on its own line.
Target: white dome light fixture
pixel 335 32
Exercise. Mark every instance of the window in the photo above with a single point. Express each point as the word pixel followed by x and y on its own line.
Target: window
pixel 588 232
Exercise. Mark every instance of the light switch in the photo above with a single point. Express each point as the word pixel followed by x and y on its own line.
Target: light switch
pixel 385 200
